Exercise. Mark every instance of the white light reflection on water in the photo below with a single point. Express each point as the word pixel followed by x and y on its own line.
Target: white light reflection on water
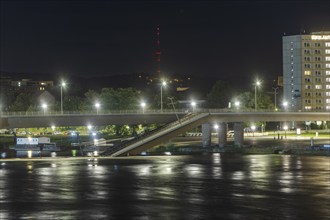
pixel 251 187
pixel 3 186
pixel 4 215
pixel 194 170
pixel 216 169
pixel 286 179
pixel 238 175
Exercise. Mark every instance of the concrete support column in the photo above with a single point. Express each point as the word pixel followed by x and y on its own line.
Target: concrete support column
pixel 206 135
pixel 238 134
pixel 222 134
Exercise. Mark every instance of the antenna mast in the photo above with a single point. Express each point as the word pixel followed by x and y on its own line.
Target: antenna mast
pixel 158 53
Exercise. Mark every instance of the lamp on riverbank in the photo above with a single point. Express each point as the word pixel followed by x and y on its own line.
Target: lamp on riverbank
pixel 285 127
pixel 253 127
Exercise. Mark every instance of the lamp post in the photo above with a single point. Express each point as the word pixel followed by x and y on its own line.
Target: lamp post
pixel 193 104
pixel 255 94
pixel 97 106
pixel 275 93
pixel 44 107
pixel 143 105
pixel 163 84
pixel 237 104
pixel 253 127
pixel 285 105
pixel 285 129
pixel 63 84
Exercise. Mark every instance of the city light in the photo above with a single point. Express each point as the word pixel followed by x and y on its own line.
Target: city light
pixel 285 127
pixel 237 104
pixel 44 107
pixel 275 93
pixel 285 105
pixel 193 104
pixel 63 84
pixel 97 106
pixel 163 84
pixel 143 105
pixel 253 128
pixel 257 84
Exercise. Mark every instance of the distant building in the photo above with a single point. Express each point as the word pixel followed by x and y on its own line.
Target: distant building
pixel 7 83
pixel 306 71
pixel 30 86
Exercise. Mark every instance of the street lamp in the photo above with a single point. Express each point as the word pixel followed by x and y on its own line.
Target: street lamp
pixel 237 104
pixel 253 127
pixel 143 105
pixel 193 104
pixel 163 84
pixel 44 107
pixel 63 84
pixel 258 83
pixel 285 127
pixel 275 93
pixel 285 105
pixel 97 106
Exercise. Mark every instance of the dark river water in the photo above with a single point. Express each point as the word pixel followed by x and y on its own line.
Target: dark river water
pixel 212 186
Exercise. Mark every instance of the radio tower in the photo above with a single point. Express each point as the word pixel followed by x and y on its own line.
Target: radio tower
pixel 158 51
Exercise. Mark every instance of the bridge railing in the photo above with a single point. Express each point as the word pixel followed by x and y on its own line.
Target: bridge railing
pixel 104 112
pixel 145 112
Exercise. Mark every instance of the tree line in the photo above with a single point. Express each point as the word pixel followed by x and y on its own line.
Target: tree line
pixel 220 95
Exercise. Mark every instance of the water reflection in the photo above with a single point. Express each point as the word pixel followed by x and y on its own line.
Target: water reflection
pixel 214 186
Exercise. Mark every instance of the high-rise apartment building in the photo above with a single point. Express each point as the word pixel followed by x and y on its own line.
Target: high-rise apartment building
pixel 306 71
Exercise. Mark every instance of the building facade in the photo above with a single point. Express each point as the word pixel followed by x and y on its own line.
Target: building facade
pixel 306 71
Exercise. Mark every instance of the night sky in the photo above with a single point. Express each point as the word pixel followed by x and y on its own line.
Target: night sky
pixel 98 38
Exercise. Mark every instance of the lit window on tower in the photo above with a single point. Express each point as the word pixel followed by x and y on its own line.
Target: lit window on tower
pixel 307 72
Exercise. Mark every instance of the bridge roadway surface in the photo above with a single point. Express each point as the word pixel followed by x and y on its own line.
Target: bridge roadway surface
pixel 30 120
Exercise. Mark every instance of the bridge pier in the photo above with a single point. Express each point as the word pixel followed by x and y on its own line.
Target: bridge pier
pixel 222 134
pixel 238 134
pixel 206 135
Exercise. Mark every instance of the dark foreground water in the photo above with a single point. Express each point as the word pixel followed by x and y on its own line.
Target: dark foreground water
pixel 213 186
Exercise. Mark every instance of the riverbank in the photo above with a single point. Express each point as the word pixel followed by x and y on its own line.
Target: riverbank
pixel 259 144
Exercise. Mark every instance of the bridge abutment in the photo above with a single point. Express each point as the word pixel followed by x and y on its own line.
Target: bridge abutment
pixel 206 135
pixel 238 134
pixel 222 134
